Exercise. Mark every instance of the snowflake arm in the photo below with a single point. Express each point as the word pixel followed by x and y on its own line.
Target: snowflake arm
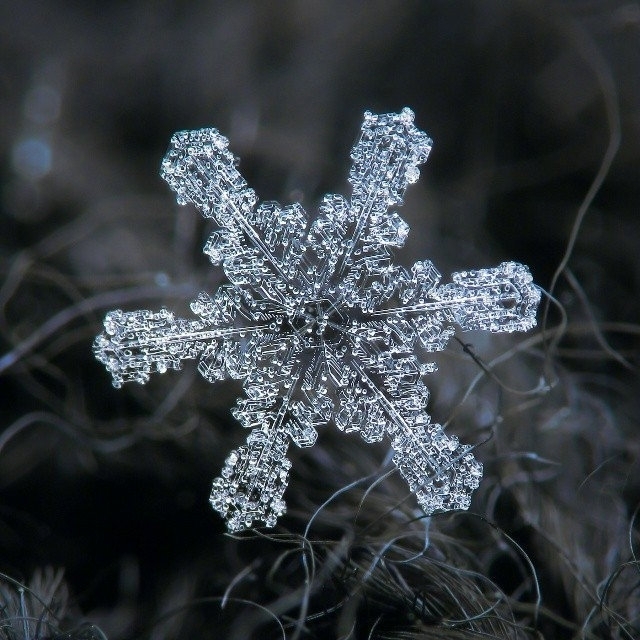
pixel 318 322
pixel 256 245
pixel 255 476
pixel 385 162
pixel 136 344
pixel 438 469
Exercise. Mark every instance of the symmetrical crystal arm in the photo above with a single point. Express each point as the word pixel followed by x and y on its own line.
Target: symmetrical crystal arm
pixel 501 299
pixel 254 243
pixel 438 469
pixel 385 161
pixel 498 299
pixel 250 487
pixel 138 343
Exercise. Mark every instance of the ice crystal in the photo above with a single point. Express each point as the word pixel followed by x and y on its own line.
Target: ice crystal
pixel 318 321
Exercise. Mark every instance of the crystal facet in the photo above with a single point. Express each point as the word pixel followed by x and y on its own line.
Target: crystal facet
pixel 318 321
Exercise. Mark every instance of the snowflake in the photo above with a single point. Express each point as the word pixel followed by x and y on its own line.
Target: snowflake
pixel 318 322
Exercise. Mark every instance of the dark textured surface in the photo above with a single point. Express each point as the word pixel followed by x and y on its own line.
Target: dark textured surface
pixel 113 485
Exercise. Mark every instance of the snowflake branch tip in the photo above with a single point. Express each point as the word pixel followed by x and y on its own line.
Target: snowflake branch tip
pixel 318 322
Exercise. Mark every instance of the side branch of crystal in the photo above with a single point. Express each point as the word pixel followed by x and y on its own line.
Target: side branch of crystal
pixel 318 322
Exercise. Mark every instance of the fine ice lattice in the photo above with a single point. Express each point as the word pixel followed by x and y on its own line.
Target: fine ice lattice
pixel 317 320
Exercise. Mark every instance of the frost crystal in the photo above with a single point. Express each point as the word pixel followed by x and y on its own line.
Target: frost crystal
pixel 318 321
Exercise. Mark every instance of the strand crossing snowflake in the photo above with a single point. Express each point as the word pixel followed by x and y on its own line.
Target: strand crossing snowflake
pixel 318 322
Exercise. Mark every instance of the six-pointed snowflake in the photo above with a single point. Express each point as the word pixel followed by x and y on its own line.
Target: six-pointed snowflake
pixel 318 322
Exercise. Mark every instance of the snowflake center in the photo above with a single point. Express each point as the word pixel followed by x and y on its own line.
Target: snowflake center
pixel 317 322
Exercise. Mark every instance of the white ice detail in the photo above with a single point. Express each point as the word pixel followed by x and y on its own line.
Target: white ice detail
pixel 318 322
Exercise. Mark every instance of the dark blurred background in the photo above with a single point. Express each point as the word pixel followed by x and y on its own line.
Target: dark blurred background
pixel 527 103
